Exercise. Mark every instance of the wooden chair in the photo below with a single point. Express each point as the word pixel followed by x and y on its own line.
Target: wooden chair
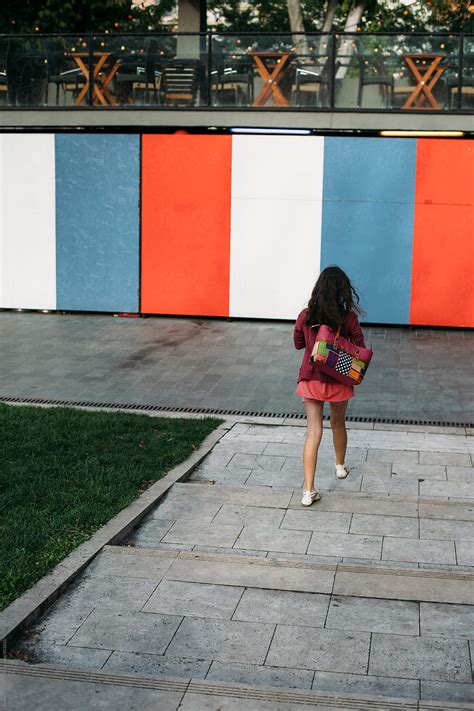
pixel 139 75
pixel 373 71
pixel 312 80
pixel 233 77
pixel 63 73
pixel 467 82
pixel 181 82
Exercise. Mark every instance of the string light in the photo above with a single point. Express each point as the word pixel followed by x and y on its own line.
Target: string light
pixel 413 134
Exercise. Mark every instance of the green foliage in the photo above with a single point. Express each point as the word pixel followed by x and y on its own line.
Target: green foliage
pixel 452 15
pixel 257 16
pixel 263 15
pixel 272 16
pixel 65 472
pixel 80 16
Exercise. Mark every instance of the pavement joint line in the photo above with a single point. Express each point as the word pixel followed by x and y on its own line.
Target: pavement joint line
pixel 254 560
pixel 101 677
pixel 27 608
pixel 373 569
pixel 316 697
pixel 136 550
pixel 404 572
pixel 229 690
pixel 438 500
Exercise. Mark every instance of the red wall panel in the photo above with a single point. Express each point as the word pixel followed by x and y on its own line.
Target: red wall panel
pixel 442 291
pixel 186 193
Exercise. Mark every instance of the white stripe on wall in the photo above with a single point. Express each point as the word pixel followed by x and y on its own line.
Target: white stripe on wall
pixel 27 222
pixel 277 185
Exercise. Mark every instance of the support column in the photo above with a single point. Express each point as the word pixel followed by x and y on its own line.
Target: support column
pixel 192 17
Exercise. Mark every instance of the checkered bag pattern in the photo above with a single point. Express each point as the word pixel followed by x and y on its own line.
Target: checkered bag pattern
pixel 339 358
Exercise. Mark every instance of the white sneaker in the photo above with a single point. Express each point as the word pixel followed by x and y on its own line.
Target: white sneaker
pixel 342 471
pixel 309 497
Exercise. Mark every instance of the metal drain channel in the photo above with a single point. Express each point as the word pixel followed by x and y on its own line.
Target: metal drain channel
pixel 217 411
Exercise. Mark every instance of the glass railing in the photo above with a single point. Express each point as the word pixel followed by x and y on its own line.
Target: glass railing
pixel 359 72
pixel 271 70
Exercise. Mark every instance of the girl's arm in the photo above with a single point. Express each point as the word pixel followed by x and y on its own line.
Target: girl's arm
pixel 298 334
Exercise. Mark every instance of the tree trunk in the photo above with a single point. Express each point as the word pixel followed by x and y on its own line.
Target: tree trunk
pixel 327 27
pixel 355 13
pixel 329 16
pixel 297 25
pixel 346 48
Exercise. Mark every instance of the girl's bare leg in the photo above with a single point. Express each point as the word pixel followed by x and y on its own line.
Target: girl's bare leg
pixel 314 418
pixel 338 426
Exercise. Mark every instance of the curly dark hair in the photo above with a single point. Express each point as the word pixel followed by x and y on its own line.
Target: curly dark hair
pixel 332 298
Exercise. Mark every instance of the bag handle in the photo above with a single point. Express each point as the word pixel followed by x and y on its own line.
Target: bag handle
pixel 336 341
pixel 337 336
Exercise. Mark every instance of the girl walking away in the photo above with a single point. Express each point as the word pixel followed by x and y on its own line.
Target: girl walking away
pixel 334 302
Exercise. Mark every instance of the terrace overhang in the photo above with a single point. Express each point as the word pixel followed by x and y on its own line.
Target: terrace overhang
pixel 218 118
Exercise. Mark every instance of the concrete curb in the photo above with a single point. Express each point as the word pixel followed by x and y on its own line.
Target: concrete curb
pixel 26 609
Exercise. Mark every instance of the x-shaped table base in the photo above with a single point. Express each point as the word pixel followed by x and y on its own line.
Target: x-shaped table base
pixel 100 92
pixel 281 64
pixel 422 93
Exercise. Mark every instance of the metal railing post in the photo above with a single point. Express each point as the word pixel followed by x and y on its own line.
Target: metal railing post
pixel 332 93
pixel 91 70
pixel 460 71
pixel 209 66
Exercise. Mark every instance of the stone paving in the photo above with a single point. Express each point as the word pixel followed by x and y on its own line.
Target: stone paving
pixel 244 365
pixel 370 592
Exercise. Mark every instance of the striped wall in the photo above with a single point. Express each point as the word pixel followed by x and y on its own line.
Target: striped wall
pixel 27 222
pixel 97 222
pixel 368 220
pixel 275 224
pixel 186 224
pixel 237 226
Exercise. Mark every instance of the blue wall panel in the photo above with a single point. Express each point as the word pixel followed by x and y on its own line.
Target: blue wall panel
pixel 367 225
pixel 97 222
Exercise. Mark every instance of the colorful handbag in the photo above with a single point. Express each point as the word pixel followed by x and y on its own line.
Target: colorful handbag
pixel 339 357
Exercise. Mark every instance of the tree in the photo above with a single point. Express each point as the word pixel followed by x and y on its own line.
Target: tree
pixel 80 15
pixel 295 17
pixel 377 15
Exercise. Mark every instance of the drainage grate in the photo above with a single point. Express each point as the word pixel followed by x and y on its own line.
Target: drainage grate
pixel 217 411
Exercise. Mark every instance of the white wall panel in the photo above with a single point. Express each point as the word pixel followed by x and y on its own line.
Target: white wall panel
pixel 277 187
pixel 27 222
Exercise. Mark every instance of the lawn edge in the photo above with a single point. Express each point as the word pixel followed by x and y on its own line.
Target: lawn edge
pixel 27 608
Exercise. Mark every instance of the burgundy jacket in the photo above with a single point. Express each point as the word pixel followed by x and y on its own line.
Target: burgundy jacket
pixel 305 337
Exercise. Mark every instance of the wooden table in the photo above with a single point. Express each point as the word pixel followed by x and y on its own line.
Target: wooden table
pixel 100 93
pixel 426 69
pixel 272 67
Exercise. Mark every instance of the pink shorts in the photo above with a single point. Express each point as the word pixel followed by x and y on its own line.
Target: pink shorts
pixel 325 392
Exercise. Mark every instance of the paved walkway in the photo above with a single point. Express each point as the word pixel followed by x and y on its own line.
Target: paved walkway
pixel 251 366
pixel 232 595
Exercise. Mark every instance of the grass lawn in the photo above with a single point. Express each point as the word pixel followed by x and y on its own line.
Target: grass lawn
pixel 64 473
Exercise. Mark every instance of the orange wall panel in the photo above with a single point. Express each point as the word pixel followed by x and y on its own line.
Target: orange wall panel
pixel 186 194
pixel 442 289
pixel 445 171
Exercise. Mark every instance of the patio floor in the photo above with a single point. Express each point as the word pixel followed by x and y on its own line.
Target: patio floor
pixel 416 374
